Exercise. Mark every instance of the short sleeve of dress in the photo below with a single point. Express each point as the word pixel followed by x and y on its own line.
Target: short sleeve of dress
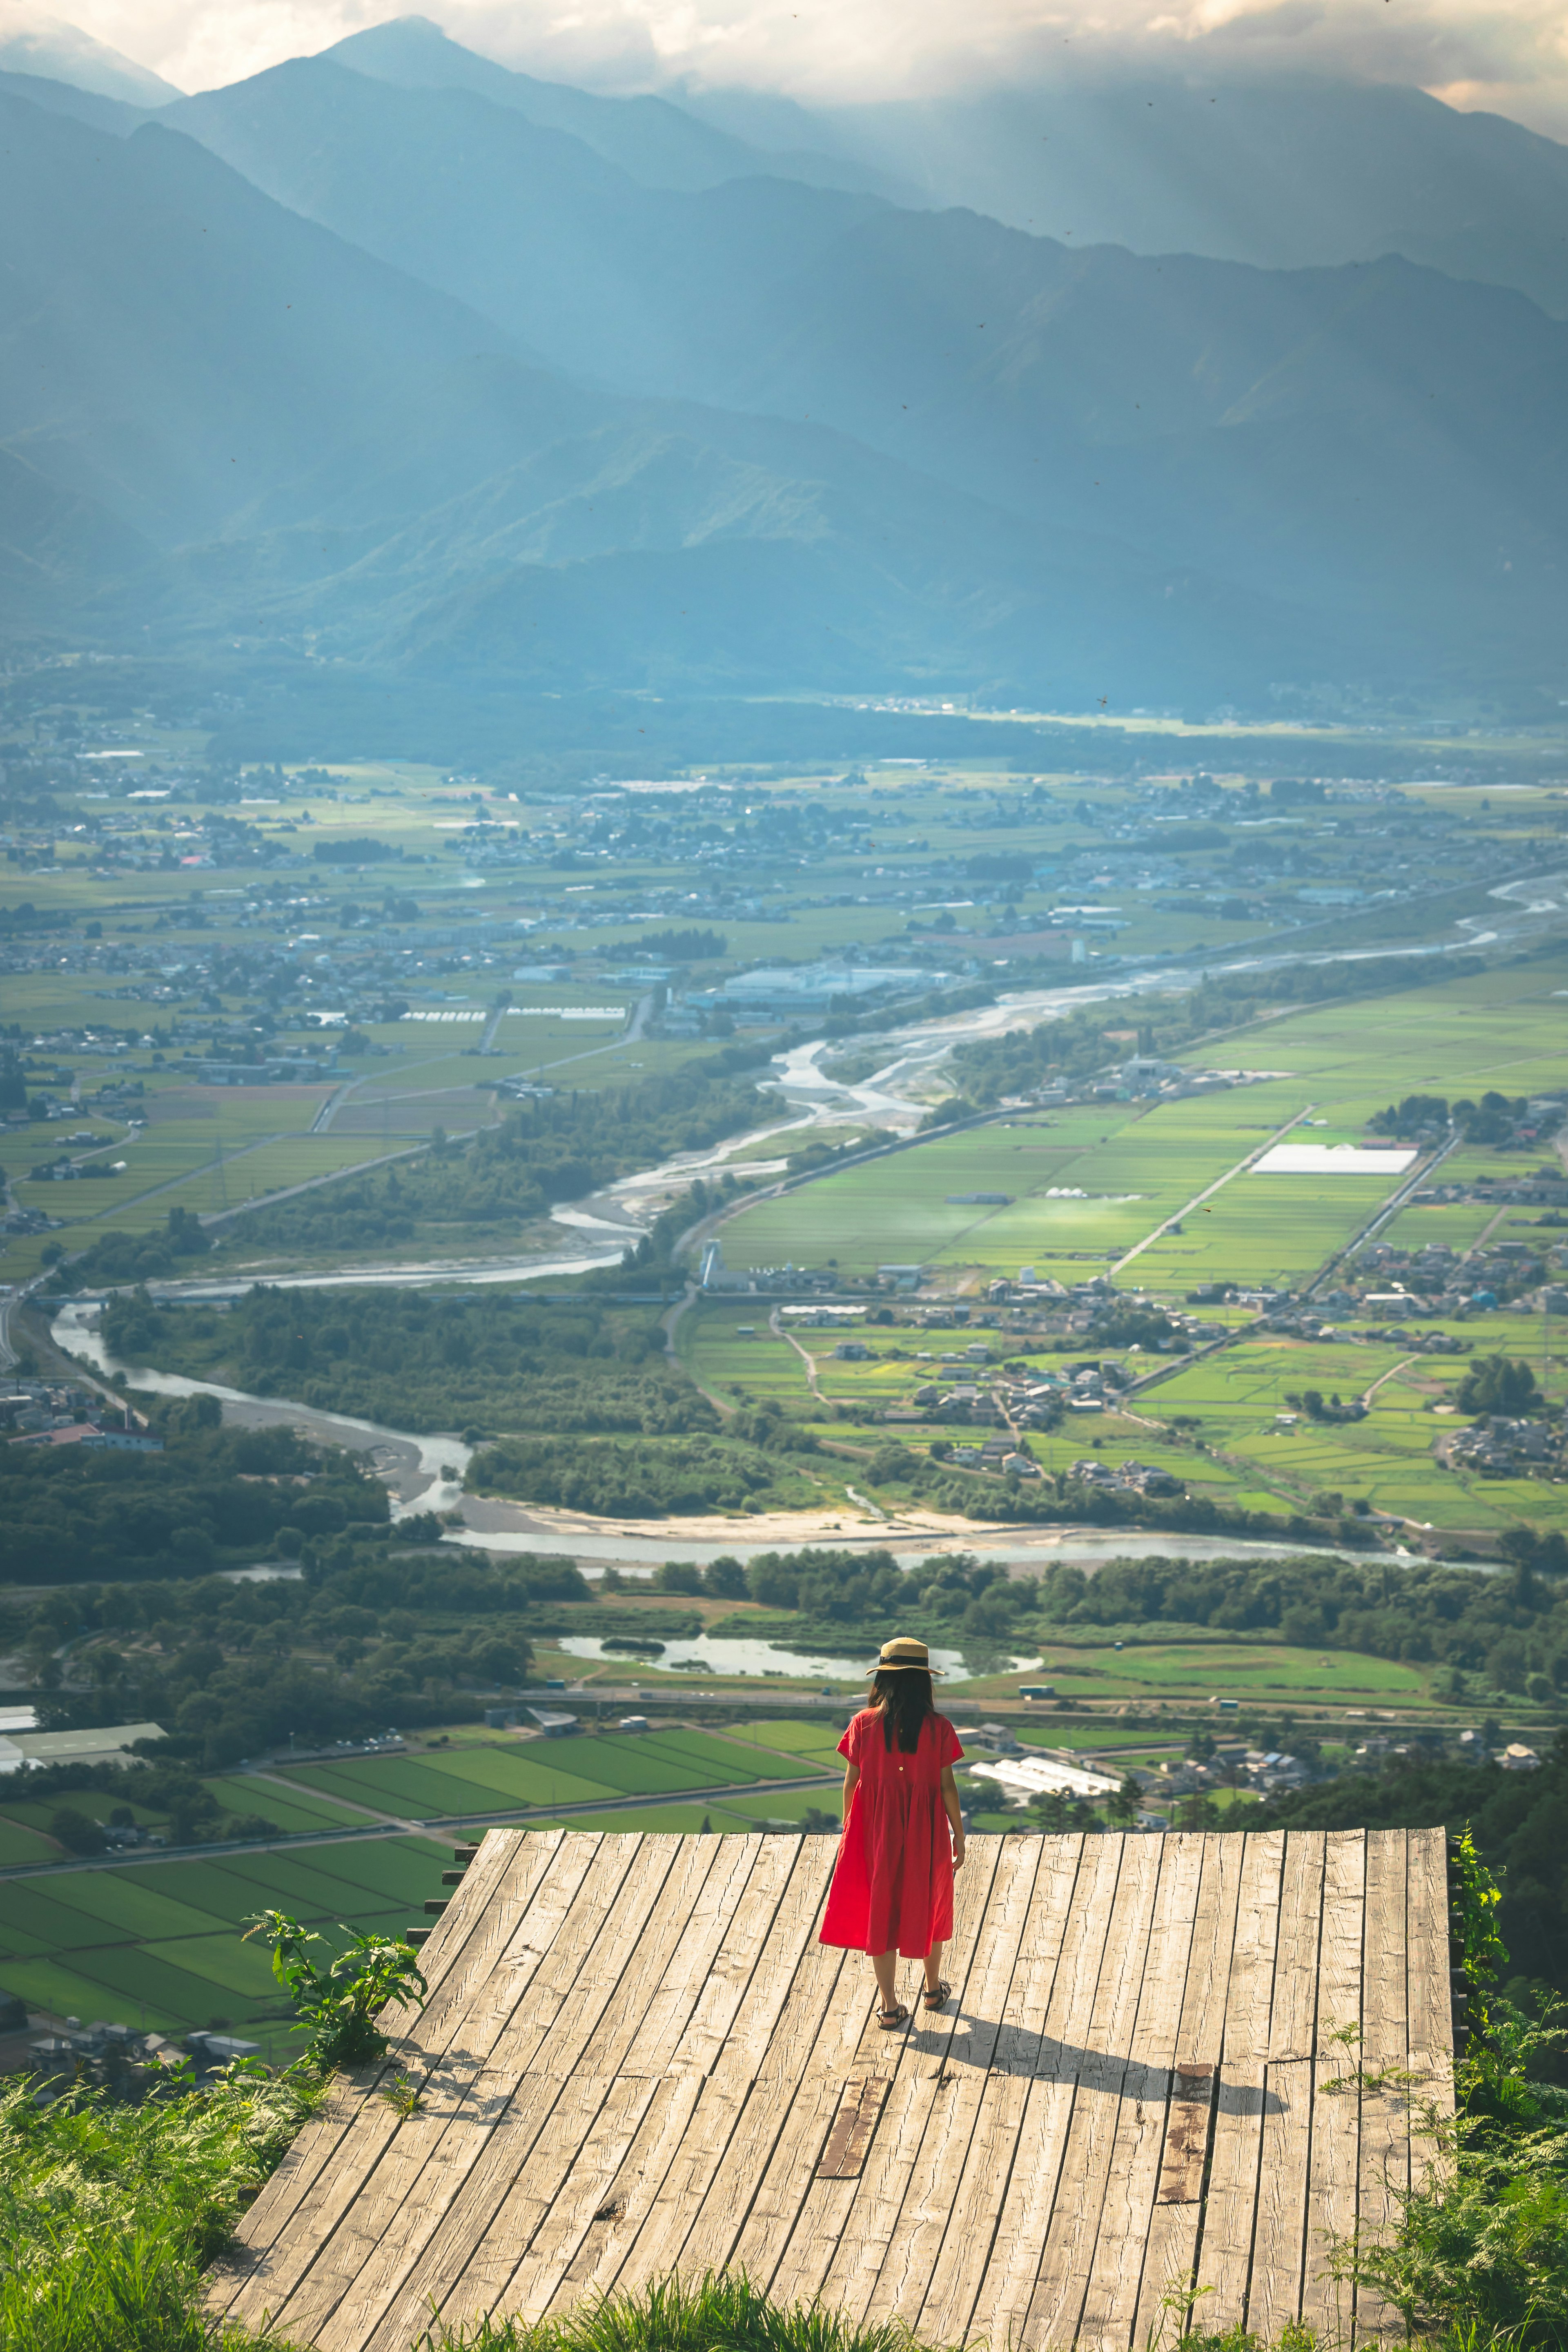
pixel 948 1747
pixel 850 1746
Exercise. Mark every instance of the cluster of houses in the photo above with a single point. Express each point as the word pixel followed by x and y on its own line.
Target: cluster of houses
pixel 58 1413
pixel 1413 1286
pixel 1501 1446
pixel 1232 1765
pixel 997 1455
pixel 126 2063
pixel 1125 1478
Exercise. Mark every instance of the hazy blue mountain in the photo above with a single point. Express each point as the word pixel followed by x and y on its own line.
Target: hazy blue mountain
pixel 1375 440
pixel 182 465
pixel 496 411
pixel 648 138
pixel 667 543
pixel 172 343
pixel 57 548
pixel 116 114
pixel 33 42
pixel 1284 171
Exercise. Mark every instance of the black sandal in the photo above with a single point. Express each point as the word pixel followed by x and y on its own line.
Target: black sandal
pixel 937 1996
pixel 889 2020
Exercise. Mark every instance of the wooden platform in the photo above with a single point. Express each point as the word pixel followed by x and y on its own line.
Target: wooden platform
pixel 636 2057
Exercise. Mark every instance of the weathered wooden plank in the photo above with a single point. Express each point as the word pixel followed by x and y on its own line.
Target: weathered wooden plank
pixel 1166 2270
pixel 1385 2111
pixel 712 2177
pixel 605 2245
pixel 1225 2254
pixel 448 2179
pixel 944 2163
pixel 445 1964
pixel 850 2135
pixel 1045 2064
pixel 547 1872
pixel 1079 2212
pixel 1430 1993
pixel 1279 2228
pixel 1139 2152
pixel 915 2164
pixel 833 2219
pixel 1331 2177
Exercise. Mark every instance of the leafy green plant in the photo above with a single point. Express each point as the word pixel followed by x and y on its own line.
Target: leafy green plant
pixel 338 2005
pixel 1473 1901
pixel 404 2096
pixel 1480 2254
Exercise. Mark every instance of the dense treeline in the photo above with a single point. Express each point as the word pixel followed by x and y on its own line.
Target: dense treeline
pixel 1520 1825
pixel 369 1637
pixel 69 1514
pixel 1074 1047
pixel 136 1258
pixel 627 1479
pixel 950 1598
pixel 542 1151
pixel 425 1362
pixel 1511 1631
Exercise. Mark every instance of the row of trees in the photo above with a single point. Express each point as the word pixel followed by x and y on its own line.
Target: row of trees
pixel 423 1361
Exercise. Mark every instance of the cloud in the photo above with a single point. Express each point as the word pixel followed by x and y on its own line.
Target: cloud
pixel 1509 55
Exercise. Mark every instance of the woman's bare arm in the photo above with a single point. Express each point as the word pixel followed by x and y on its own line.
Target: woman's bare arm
pixel 954 1814
pixel 851 1782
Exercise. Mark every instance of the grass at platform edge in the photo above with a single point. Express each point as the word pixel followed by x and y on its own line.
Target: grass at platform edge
pixel 109 2212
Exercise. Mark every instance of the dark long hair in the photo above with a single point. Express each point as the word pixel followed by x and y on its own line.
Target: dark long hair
pixel 903 1697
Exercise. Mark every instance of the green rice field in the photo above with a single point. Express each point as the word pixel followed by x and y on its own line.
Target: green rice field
pixel 490 1777
pixel 1138 1167
pixel 158 1944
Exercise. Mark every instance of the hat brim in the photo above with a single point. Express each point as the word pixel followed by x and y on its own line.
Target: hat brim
pixel 904 1666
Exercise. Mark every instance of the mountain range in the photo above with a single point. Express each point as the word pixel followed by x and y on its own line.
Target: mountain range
pixel 394 359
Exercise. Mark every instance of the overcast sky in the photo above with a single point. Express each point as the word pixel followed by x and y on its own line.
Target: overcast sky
pixel 1510 56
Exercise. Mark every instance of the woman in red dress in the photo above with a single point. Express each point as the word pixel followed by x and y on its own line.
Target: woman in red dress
pixel 903 1833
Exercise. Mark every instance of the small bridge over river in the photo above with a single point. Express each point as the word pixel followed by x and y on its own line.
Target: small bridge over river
pixel 1172 2065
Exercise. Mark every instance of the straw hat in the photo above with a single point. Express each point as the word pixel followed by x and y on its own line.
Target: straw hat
pixel 903 1655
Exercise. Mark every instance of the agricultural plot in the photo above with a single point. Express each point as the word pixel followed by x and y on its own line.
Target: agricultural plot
pixel 1389 1459
pixel 490 1777
pixel 1265 1229
pixel 905 1207
pixel 291 1808
pixel 729 1348
pixel 159 1943
pixel 1500 1028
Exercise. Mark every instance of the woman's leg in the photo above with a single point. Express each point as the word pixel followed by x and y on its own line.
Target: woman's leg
pixel 933 1967
pixel 887 1967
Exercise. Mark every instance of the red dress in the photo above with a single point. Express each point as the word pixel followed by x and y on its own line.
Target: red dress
pixel 892 1883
